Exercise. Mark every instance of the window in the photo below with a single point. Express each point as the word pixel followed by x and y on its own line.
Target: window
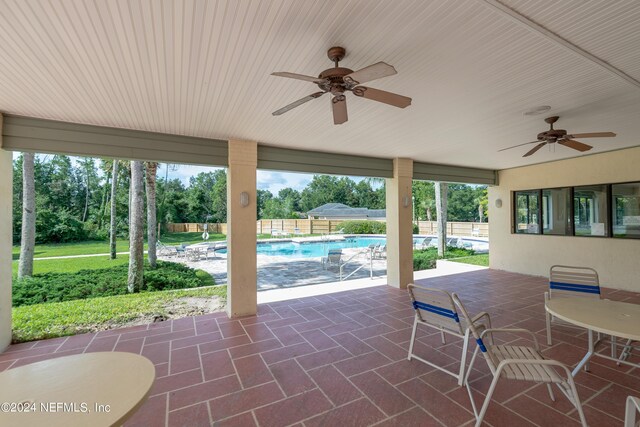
pixel 625 200
pixel 527 212
pixel 590 210
pixel 556 211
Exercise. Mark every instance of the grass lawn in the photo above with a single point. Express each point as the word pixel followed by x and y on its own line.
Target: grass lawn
pixel 69 265
pixel 480 259
pixel 94 247
pixel 41 321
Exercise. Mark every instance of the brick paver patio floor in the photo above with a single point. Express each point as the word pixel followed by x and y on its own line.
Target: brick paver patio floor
pixel 340 360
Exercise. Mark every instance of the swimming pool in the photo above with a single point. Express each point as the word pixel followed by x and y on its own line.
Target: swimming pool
pixel 320 248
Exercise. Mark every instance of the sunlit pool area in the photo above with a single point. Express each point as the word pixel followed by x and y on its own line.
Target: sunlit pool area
pixel 311 248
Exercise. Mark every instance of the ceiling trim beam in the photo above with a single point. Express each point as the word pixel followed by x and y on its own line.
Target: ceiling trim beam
pixel 535 27
pixel 49 136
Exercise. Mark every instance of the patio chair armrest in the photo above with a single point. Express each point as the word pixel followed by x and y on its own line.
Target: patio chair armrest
pixel 480 316
pixel 513 330
pixel 541 362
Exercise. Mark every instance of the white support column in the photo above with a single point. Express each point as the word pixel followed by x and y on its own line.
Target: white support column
pixel 6 241
pixel 242 289
pixel 399 224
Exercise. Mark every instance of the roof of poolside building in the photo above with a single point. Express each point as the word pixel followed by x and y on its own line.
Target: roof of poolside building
pixel 341 210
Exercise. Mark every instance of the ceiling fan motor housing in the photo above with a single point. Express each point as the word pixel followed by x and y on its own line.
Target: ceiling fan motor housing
pixel 335 76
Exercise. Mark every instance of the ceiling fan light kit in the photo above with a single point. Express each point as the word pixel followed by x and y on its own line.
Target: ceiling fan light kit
pixel 561 136
pixel 338 80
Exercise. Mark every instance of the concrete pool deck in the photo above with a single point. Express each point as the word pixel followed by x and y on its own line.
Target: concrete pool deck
pixel 277 272
pixel 283 272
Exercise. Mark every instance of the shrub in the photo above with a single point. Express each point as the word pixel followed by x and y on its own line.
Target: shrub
pixel 425 259
pixel 56 287
pixel 363 227
pixel 58 226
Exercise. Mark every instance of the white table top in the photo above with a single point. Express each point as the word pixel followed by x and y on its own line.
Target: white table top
pixel 620 319
pixel 119 380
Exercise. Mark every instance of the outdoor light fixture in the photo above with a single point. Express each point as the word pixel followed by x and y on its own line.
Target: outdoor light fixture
pixel 244 199
pixel 498 203
pixel 406 201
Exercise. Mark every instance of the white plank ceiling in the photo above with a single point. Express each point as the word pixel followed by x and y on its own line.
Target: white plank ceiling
pixel 202 68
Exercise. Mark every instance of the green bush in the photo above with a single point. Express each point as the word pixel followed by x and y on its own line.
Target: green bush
pixel 59 226
pixel 425 259
pixel 416 229
pixel 363 227
pixel 56 287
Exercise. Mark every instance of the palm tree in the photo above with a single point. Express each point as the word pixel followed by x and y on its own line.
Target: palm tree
pixel 28 241
pixel 112 228
pixel 441 213
pixel 136 225
pixel 152 170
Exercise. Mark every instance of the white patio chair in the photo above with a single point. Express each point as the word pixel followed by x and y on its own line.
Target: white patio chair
pixel 276 233
pixel 566 281
pixel 380 252
pixel 435 309
pixel 520 363
pixel 633 407
pixel 333 258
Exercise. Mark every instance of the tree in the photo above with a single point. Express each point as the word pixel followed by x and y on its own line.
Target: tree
pixel 28 239
pixel 136 227
pixel 152 169
pixel 441 212
pixel 113 222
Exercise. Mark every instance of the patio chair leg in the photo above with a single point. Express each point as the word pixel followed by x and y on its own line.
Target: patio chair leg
pixel 576 401
pixel 614 347
pixel 553 398
pixel 466 382
pixel 463 359
pixel 413 336
pixel 444 340
pixel 548 319
pixel 487 400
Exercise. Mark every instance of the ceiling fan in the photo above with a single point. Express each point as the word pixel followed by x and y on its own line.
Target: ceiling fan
pixel 339 80
pixel 561 136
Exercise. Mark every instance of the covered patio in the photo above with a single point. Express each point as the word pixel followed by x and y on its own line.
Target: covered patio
pixel 191 82
pixel 340 359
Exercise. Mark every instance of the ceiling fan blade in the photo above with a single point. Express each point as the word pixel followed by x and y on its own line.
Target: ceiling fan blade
pixel 575 144
pixel 372 72
pixel 534 149
pixel 300 77
pixel 298 103
pixel 382 96
pixel 339 104
pixel 592 135
pixel 519 145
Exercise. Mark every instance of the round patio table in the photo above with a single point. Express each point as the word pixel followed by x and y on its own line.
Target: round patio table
pixel 615 318
pixel 92 389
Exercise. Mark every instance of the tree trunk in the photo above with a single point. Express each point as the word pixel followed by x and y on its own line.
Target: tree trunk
pixel 152 170
pixel 112 228
pixel 86 196
pixel 136 226
pixel 441 213
pixel 28 243
pixel 104 201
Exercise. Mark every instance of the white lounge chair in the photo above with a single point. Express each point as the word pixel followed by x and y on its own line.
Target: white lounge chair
pixel 434 308
pixel 520 363
pixel 333 258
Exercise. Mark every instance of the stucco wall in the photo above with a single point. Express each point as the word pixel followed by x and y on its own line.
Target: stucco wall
pixel 616 260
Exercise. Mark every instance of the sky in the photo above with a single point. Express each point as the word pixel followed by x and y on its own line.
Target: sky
pixel 272 181
pixel 267 180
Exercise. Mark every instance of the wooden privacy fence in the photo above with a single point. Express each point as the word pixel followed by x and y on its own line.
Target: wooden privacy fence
pixel 323 226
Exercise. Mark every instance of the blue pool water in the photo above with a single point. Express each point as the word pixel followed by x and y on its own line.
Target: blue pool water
pixel 320 248
pixel 315 249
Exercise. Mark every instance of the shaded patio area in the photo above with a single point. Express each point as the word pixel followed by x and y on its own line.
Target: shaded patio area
pixel 340 359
